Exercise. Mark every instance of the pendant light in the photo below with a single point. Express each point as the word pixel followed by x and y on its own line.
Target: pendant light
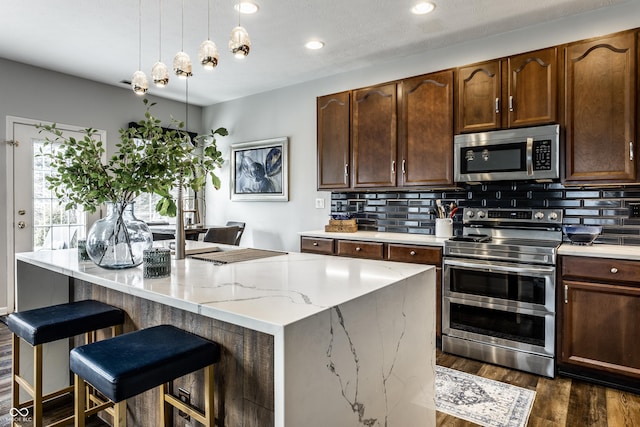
pixel 239 43
pixel 139 82
pixel 208 52
pixel 182 62
pixel 160 72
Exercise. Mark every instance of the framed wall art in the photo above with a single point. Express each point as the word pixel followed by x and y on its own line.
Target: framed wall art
pixel 259 170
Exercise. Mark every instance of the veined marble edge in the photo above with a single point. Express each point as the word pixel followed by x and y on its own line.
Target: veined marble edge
pixel 601 251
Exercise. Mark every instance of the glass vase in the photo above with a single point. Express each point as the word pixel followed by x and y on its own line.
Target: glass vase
pixel 118 240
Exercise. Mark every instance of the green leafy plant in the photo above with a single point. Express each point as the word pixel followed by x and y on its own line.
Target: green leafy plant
pixel 149 159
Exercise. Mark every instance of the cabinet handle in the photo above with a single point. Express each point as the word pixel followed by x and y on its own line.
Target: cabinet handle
pixel 393 166
pixel 346 169
pixel 404 166
pixel 315 243
pixel 358 249
pixel 497 105
pixel 631 150
pixel 613 270
pixel 412 253
pixel 511 103
pixel 566 294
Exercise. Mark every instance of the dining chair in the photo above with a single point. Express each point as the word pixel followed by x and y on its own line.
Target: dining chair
pixel 240 226
pixel 224 235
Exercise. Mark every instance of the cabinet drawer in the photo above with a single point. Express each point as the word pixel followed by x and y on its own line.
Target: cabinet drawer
pixel 351 248
pixel 316 245
pixel 601 269
pixel 414 253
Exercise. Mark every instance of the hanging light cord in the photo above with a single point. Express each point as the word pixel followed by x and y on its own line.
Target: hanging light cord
pixel 209 20
pixel 160 35
pixel 182 43
pixel 139 34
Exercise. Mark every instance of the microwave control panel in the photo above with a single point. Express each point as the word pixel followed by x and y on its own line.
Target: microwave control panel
pixel 542 157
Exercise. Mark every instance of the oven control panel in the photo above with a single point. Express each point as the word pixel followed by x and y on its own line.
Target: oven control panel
pixel 488 215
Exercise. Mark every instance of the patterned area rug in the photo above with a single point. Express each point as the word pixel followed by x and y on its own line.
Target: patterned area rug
pixel 482 401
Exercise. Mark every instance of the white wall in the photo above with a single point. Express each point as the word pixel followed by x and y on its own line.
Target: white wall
pixel 35 93
pixel 291 112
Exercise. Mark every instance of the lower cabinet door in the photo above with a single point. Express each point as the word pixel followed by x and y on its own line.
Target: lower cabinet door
pixel 601 327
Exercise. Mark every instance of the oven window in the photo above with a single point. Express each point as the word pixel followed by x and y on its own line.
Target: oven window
pixel 522 328
pixel 503 285
pixel 494 158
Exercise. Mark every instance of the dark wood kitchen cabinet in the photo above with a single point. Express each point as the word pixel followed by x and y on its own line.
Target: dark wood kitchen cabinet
pixel 374 136
pixel 599 327
pixel 600 110
pixel 521 90
pixel 333 139
pixel 425 144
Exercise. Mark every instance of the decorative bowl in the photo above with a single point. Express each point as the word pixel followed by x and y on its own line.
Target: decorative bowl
pixel 582 234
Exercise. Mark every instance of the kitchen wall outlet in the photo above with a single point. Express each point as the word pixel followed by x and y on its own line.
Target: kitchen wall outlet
pixel 634 210
pixel 185 397
pixel 319 203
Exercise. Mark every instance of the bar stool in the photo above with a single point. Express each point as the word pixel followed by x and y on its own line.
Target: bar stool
pixel 43 325
pixel 129 364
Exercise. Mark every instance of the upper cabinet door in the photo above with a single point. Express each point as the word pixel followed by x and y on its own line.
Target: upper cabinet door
pixel 600 97
pixel 334 131
pixel 479 97
pixel 532 88
pixel 426 130
pixel 374 136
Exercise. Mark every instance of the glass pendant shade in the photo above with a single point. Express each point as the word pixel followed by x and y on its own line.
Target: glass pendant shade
pixel 239 44
pixel 208 55
pixel 160 74
pixel 182 65
pixel 139 83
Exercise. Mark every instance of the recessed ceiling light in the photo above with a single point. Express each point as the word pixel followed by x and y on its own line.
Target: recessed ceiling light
pixel 246 7
pixel 314 44
pixel 423 8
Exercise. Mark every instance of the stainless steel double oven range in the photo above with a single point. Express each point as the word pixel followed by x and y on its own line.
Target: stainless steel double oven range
pixel 499 288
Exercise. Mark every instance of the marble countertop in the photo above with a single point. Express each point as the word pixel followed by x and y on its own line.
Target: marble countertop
pixel 264 295
pixel 601 251
pixel 376 236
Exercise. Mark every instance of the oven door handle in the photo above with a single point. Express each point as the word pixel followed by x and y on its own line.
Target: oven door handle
pixel 490 266
pixel 530 156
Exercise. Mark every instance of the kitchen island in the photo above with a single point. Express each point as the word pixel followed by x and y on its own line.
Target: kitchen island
pixel 308 340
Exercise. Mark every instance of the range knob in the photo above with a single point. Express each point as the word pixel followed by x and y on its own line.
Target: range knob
pixel 470 213
pixel 553 216
pixel 539 215
pixel 481 214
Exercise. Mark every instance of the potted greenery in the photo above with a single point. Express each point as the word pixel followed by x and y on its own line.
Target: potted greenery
pixel 149 159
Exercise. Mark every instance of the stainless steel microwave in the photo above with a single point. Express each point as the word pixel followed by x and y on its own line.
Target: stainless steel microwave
pixel 531 153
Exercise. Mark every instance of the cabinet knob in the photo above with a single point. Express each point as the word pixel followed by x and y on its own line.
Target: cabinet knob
pixel 412 253
pixel 358 249
pixel 614 270
pixel 315 243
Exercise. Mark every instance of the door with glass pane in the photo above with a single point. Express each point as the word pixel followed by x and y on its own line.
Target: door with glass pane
pixel 40 222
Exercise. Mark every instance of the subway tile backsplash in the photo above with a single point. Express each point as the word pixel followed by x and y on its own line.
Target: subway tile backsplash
pixel 412 211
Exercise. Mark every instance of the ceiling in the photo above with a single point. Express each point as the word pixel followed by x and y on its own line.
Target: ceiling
pixel 98 39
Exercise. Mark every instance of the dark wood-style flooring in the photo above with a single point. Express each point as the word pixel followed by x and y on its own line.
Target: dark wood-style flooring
pixel 559 402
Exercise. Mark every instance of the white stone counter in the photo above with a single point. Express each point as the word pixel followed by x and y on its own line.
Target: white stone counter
pixel 598 250
pixel 354 339
pixel 376 236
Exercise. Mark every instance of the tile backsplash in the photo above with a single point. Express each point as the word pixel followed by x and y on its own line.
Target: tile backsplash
pixel 412 211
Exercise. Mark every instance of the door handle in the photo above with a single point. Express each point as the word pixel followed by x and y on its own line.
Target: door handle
pixel 21 224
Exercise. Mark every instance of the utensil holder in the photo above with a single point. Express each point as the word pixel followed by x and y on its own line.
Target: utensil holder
pixel 444 227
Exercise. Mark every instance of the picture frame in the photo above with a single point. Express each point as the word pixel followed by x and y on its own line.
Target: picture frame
pixel 260 170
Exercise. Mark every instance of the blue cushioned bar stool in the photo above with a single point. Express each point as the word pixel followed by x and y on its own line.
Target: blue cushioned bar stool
pixel 127 365
pixel 43 325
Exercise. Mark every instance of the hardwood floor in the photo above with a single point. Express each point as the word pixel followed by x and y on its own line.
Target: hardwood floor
pixel 559 402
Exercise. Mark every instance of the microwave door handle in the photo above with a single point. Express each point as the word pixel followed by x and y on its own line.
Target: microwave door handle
pixel 529 156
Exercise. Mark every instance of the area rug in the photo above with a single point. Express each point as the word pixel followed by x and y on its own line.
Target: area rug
pixel 482 401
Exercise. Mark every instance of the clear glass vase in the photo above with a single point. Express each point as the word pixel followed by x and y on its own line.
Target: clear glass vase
pixel 119 239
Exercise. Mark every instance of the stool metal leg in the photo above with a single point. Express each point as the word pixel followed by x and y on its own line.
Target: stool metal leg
pixel 79 404
pixel 37 386
pixel 120 414
pixel 166 410
pixel 209 412
pixel 15 370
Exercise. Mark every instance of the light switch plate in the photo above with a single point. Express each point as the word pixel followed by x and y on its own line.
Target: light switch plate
pixel 319 203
